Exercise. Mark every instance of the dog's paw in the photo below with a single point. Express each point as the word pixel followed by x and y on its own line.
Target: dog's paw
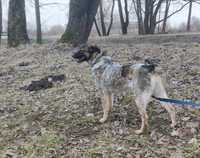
pixel 173 124
pixel 139 131
pixel 102 120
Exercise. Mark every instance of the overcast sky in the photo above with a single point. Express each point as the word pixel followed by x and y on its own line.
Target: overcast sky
pixel 57 14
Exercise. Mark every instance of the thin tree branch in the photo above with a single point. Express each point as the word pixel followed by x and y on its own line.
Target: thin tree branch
pixel 157 7
pixel 197 2
pixel 48 4
pixel 96 26
pixel 111 18
pixel 173 12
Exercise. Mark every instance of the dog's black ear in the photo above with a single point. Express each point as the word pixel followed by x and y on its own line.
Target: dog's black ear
pixel 154 62
pixel 148 68
pixel 94 48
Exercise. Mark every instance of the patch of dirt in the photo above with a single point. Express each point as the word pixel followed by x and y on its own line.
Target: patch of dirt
pixel 63 121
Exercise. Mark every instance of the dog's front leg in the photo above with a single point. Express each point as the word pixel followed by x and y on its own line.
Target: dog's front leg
pixel 141 103
pixel 107 103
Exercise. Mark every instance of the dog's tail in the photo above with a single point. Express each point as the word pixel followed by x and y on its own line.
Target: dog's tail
pixel 148 68
pixel 150 64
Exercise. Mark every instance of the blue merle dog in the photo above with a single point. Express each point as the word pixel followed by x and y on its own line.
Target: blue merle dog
pixel 112 78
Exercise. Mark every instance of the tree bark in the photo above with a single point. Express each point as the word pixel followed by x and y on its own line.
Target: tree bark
pixel 97 27
pixel 189 17
pixel 147 20
pixel 103 26
pixel 111 18
pixel 105 31
pixel 81 18
pixel 138 10
pixel 124 21
pixel 167 5
pixel 0 20
pixel 38 22
pixel 17 33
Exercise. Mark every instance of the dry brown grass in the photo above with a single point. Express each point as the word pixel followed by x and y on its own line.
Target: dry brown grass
pixel 63 121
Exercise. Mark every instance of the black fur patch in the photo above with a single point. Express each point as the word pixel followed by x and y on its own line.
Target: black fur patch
pixel 154 62
pixel 94 49
pixel 85 53
pixel 148 68
pixel 125 70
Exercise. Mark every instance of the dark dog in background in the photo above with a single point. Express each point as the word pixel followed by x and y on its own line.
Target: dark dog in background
pixel 112 78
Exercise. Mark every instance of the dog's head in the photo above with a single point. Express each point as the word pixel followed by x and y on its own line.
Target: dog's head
pixel 85 53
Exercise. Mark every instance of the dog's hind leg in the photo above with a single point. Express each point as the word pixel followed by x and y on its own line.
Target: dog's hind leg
pixel 141 103
pixel 161 93
pixel 107 103
pixel 170 108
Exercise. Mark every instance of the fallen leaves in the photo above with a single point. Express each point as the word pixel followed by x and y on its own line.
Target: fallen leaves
pixel 63 121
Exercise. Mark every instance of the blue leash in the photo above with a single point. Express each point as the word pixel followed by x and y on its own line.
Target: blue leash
pixel 179 102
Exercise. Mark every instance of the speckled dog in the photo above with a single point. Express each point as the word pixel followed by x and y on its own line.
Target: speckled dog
pixel 112 78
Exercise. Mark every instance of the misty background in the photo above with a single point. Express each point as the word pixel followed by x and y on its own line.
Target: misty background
pixel 54 16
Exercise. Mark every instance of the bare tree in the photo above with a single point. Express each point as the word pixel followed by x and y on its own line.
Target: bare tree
pixel 147 14
pixel 97 27
pixel 38 6
pixel 17 31
pixel 123 20
pixel 173 13
pixel 151 10
pixel 103 26
pixel 0 20
pixel 138 10
pixel 111 17
pixel 167 6
pixel 81 18
pixel 38 22
pixel 189 15
pixel 105 29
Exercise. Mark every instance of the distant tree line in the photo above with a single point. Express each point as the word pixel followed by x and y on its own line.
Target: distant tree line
pixel 150 14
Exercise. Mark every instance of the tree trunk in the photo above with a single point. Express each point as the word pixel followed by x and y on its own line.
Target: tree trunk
pixel 126 14
pixel 111 18
pixel 159 17
pixel 151 11
pixel 152 26
pixel 97 27
pixel 0 20
pixel 103 26
pixel 189 17
pixel 166 15
pixel 152 19
pixel 147 16
pixel 81 18
pixel 138 10
pixel 38 22
pixel 17 33
pixel 105 30
pixel 121 16
pixel 124 22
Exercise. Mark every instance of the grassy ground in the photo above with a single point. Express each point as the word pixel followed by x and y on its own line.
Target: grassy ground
pixel 63 121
